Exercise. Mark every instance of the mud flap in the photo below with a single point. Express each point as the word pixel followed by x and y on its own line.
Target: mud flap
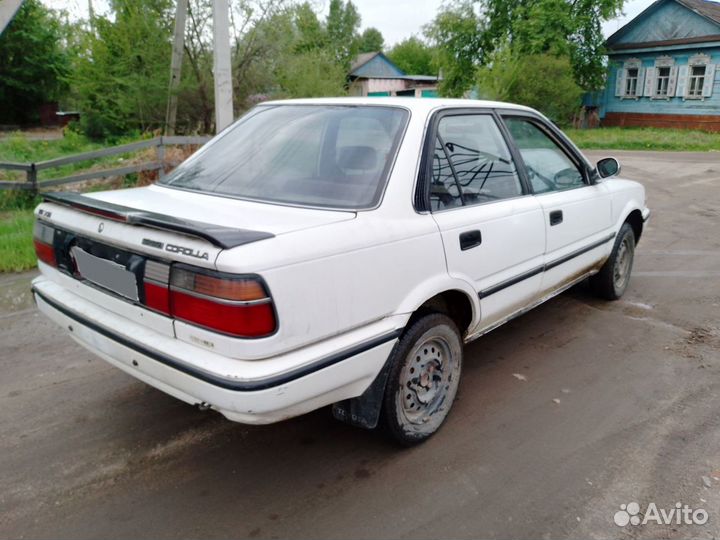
pixel 364 410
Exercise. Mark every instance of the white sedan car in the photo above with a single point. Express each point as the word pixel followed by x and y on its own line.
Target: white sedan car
pixel 336 251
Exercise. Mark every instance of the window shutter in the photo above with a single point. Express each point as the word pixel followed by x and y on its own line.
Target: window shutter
pixel 640 82
pixel 620 82
pixel 672 81
pixel 650 74
pixel 709 80
pixel 682 81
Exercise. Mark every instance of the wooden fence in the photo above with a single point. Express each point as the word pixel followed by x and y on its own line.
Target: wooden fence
pixel 159 143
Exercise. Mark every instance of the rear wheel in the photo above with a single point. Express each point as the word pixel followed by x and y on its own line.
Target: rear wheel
pixel 613 278
pixel 423 379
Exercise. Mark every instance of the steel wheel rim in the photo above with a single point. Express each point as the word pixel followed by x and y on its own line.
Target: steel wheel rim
pixel 428 381
pixel 623 259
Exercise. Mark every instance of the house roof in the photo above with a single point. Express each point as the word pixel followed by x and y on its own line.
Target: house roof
pixel 706 8
pixel 362 59
pixel 375 65
pixel 709 10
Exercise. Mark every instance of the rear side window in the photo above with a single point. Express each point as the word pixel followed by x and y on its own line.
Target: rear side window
pixel 471 163
pixel 308 155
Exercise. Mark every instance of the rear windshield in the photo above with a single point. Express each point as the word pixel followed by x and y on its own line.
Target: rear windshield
pixel 309 155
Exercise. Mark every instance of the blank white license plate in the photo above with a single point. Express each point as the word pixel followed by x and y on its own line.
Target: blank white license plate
pixel 105 273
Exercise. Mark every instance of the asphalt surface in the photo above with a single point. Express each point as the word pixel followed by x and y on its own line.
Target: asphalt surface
pixel 563 415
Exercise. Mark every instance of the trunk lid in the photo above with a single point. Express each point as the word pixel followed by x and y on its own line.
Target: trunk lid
pixel 177 225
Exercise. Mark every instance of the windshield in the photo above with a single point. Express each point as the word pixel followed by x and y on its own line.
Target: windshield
pixel 310 155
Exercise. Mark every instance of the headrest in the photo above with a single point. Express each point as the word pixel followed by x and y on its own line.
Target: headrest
pixel 357 158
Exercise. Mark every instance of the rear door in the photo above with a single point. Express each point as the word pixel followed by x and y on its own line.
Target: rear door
pixel 577 214
pixel 492 227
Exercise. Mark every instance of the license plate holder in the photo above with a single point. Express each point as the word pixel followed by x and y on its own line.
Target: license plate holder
pixel 106 274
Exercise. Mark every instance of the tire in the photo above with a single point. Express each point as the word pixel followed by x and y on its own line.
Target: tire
pixel 417 400
pixel 612 280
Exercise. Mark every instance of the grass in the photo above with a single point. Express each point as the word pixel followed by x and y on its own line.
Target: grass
pixel 16 247
pixel 19 149
pixel 615 138
pixel 16 207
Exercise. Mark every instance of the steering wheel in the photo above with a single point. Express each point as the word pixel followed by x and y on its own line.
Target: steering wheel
pixel 544 179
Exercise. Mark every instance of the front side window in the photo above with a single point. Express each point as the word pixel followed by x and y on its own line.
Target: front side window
pixel 326 156
pixel 471 163
pixel 549 167
pixel 696 81
pixel 662 81
pixel 631 82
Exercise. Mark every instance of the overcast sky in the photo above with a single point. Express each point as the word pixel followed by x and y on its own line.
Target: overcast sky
pixel 396 19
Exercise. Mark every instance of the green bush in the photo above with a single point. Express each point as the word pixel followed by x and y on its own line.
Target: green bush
pixel 542 81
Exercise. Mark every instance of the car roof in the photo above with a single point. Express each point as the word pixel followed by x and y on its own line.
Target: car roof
pixel 414 104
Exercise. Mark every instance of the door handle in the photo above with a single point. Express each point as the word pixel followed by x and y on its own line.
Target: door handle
pixel 470 239
pixel 556 217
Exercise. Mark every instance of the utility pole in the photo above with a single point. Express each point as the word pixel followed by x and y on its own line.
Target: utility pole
pixel 8 8
pixel 176 66
pixel 221 66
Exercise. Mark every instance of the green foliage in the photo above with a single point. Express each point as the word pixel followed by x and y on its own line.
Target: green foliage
pixel 311 74
pixel 121 81
pixel 542 81
pixel 414 57
pixel 291 54
pixel 310 32
pixel 560 27
pixel 371 40
pixel 33 64
pixel 458 33
pixel 16 247
pixel 341 27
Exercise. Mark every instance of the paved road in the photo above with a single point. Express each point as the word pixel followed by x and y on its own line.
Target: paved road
pixel 87 452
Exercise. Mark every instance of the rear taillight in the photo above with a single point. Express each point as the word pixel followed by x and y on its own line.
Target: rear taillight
pixel 156 286
pixel 43 240
pixel 237 305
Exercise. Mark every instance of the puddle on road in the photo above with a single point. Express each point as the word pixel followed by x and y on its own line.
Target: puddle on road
pixel 15 292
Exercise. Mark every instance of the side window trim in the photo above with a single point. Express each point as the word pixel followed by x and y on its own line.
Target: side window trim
pixel 421 199
pixel 555 136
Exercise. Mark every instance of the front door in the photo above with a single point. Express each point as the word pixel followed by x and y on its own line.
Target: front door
pixel 492 227
pixel 577 213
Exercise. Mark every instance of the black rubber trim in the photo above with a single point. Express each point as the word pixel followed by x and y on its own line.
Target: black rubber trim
pixel 223 237
pixel 577 253
pixel 220 382
pixel 549 266
pixel 510 282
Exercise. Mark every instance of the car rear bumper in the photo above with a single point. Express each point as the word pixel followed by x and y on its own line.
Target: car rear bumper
pixel 202 378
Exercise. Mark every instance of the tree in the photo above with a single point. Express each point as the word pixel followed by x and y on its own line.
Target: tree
pixel 311 34
pixel 414 57
pixel 458 34
pixel 121 81
pixel 469 30
pixel 33 63
pixel 543 81
pixel 311 74
pixel 371 40
pixel 341 27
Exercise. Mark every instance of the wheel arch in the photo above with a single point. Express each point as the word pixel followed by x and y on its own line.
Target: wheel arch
pixel 635 219
pixel 451 296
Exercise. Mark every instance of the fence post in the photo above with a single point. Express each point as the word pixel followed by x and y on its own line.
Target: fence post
pixel 32 178
pixel 160 152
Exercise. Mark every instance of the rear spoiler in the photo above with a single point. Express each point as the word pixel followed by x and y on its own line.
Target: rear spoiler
pixel 223 237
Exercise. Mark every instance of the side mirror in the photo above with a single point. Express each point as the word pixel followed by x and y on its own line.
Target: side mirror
pixel 607 167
